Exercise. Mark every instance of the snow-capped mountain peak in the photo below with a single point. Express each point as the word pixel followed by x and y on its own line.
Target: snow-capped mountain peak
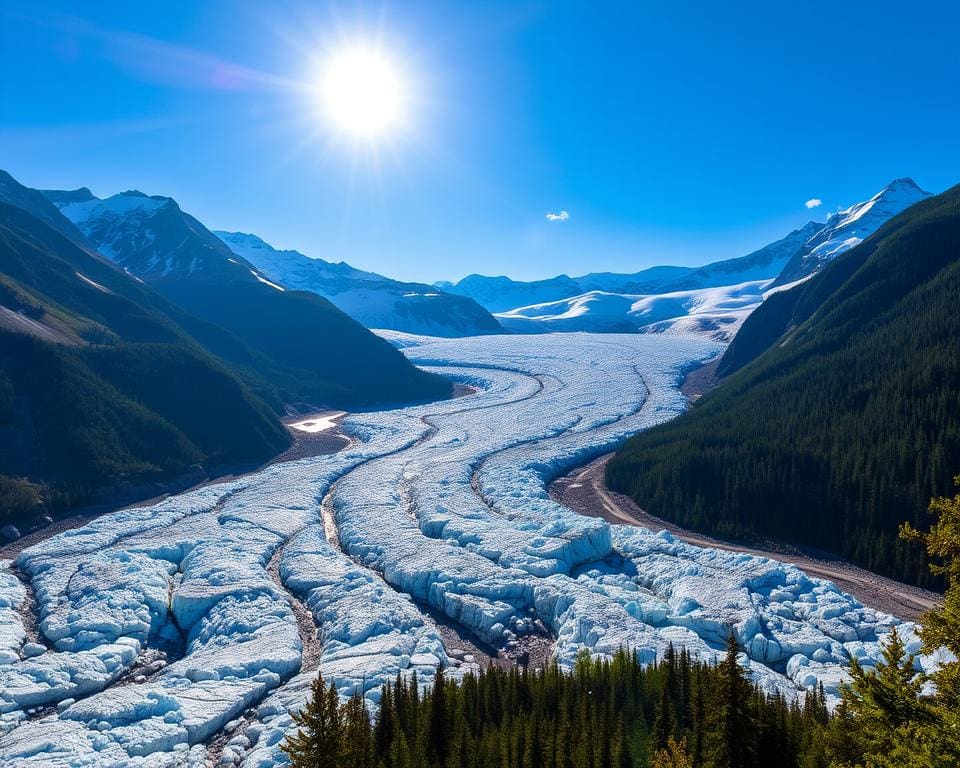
pixel 82 211
pixel 148 235
pixel 851 226
pixel 889 201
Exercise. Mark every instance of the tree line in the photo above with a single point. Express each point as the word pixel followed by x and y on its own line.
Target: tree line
pixel 602 714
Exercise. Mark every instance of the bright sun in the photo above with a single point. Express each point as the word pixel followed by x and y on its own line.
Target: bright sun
pixel 362 92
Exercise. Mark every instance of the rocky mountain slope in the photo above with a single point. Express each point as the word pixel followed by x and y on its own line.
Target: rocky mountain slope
pixel 371 299
pixel 305 348
pixel 850 227
pixel 101 382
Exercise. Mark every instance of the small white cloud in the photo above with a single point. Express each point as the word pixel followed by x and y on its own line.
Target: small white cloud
pixel 813 202
pixel 562 216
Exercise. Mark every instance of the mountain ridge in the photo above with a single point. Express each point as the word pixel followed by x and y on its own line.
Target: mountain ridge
pixel 306 349
pixel 850 227
pixel 100 381
pixel 845 424
pixel 371 299
pixel 713 301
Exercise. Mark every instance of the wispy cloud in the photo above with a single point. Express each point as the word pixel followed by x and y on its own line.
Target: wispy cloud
pixel 562 216
pixel 813 202
pixel 157 61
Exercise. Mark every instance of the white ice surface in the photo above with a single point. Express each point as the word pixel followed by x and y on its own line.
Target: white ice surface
pixel 332 559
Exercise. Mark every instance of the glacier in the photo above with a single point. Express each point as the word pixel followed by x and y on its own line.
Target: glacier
pixel 188 632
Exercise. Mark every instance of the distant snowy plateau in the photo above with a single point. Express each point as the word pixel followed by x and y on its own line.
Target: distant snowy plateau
pixel 184 633
pixel 714 313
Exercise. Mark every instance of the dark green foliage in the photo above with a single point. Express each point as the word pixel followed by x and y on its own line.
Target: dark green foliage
pixel 92 415
pixel 600 715
pixel 940 628
pixel 319 742
pixel 305 347
pixel 732 736
pixel 18 497
pixel 884 721
pixel 102 379
pixel 196 395
pixel 100 383
pixel 846 425
pixel 888 717
pixel 759 331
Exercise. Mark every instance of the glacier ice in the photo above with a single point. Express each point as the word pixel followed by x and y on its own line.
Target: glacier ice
pixel 202 620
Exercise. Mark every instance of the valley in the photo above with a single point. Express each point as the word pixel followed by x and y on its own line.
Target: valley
pixel 584 491
pixel 479 385
pixel 429 539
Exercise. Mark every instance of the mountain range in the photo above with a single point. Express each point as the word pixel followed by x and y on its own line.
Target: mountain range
pixel 134 345
pixel 714 312
pixel 839 416
pixel 307 350
pixel 713 300
pixel 101 380
pixel 149 323
pixel 372 299
pixel 501 294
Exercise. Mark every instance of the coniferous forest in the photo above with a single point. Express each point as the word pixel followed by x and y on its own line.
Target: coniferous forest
pixel 677 713
pixel 602 714
pixel 845 426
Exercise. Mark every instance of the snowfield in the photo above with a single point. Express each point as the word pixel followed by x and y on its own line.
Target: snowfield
pixel 713 313
pixel 185 633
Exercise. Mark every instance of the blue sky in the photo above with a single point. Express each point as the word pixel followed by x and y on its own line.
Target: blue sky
pixel 671 133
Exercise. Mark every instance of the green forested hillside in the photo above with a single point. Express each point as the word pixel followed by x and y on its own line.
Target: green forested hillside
pixel 307 349
pixel 295 346
pixel 103 378
pixel 98 382
pixel 849 421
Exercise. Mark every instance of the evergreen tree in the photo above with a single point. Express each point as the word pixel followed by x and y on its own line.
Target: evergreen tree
pixel 732 732
pixel 940 628
pixel 595 716
pixel 842 746
pixel 386 728
pixel 318 742
pixel 673 755
pixel 884 719
pixel 357 734
pixel 699 724
pixel 663 726
pixel 439 732
pixel 882 713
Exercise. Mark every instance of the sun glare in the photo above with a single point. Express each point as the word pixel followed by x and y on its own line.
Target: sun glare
pixel 362 92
